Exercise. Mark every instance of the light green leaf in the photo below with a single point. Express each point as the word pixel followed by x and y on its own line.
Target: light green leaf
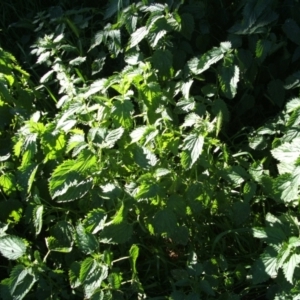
pixel 12 247
pixel 122 112
pixel 21 281
pixel 133 253
pixel 138 133
pixel 87 267
pixel 193 145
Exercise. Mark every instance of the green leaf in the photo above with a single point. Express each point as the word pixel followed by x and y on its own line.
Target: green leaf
pixel 86 241
pixel 193 145
pixel 54 245
pixel 112 137
pixel 133 253
pixel 229 78
pixel 262 50
pixel 199 65
pixel 92 273
pixel 38 218
pixel 116 233
pixel 144 158
pixel 95 220
pixel 137 36
pixel 115 280
pixel 122 113
pixel 8 183
pixel 287 152
pixel 289 267
pixel 162 61
pixel 21 281
pixel 277 92
pixel 12 247
pixel 187 25
pixel 98 63
pixel 292 31
pixel 269 259
pixel 165 222
pixel 74 271
pixel 77 61
pixel 286 187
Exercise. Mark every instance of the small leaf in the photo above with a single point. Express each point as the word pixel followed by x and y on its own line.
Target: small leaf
pixel 193 145
pixel 77 61
pixel 12 247
pixel 38 218
pixel 134 253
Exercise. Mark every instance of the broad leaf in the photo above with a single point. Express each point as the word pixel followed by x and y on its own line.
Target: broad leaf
pixel 193 145
pixel 12 247
pixel 21 281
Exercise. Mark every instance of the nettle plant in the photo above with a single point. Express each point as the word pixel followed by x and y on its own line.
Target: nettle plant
pixel 135 183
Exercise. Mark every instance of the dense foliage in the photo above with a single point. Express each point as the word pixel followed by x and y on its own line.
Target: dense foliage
pixel 150 150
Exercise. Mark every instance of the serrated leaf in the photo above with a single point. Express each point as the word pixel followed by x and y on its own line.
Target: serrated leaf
pixel 95 220
pixel 187 25
pixel 122 113
pixel 287 189
pixel 38 218
pixel 138 36
pixel 165 222
pixel 144 157
pixel 77 61
pixel 133 254
pixel 21 281
pixel 290 265
pixel 229 77
pixel 46 76
pixel 54 245
pixel 86 241
pixel 12 247
pixel 269 259
pixel 162 60
pixel 116 233
pixel 292 105
pixel 112 137
pixel 287 152
pixel 74 271
pixel 193 145
pixel 199 65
